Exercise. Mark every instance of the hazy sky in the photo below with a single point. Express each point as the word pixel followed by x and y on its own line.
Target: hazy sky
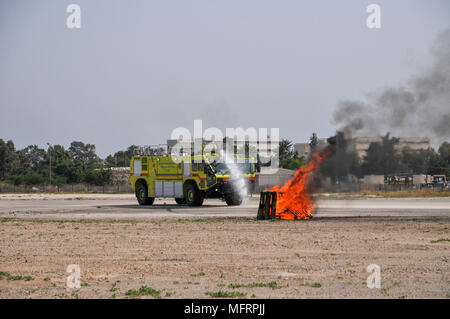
pixel 138 69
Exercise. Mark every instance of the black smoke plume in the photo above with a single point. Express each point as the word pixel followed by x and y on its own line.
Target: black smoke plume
pixel 420 107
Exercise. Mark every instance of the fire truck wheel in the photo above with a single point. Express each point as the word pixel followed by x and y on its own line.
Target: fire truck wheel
pixel 233 200
pixel 180 201
pixel 142 195
pixel 193 196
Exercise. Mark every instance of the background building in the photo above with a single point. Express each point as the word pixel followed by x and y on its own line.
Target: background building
pixel 238 143
pixel 304 149
pixel 361 144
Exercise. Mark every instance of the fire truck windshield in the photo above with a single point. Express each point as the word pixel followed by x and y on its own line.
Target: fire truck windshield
pixel 223 169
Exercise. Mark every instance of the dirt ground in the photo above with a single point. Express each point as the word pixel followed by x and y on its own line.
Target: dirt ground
pixel 235 257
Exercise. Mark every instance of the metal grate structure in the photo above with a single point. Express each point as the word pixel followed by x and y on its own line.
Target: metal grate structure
pixel 267 205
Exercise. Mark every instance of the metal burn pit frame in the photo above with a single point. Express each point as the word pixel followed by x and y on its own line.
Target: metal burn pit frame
pixel 268 206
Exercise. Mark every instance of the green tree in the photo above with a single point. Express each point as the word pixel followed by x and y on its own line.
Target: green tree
pixel 84 153
pixel 33 178
pixel 415 161
pixel 292 163
pixel 121 158
pixel 59 154
pixel 72 171
pixel 9 161
pixel 32 158
pixel 99 177
pixel 342 162
pixel 381 157
pixel 444 154
pixel 313 142
pixel 286 149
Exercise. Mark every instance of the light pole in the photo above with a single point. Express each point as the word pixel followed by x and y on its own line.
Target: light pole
pixel 50 158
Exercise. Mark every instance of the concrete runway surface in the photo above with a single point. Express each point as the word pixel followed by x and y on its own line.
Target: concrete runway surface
pixel 100 206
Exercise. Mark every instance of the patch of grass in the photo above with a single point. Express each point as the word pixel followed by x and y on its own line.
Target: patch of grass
pixel 385 291
pixel 114 288
pixel 84 284
pixel 47 279
pixel 314 285
pixel 440 240
pixel 226 294
pixel 11 277
pixel 31 291
pixel 199 274
pixel 144 291
pixel 395 283
pixel 272 284
pixel 175 282
pixel 191 220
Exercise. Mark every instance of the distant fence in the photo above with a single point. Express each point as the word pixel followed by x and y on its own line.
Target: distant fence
pixel 69 188
pixel 355 188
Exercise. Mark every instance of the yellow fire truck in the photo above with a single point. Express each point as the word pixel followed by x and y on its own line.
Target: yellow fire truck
pixel 189 182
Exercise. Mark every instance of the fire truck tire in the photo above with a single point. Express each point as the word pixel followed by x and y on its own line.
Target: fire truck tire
pixel 180 201
pixel 142 195
pixel 233 200
pixel 192 195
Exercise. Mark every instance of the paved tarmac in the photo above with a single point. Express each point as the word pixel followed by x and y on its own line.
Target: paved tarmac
pixel 101 206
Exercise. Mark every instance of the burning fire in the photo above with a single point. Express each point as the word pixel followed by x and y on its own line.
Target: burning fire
pixel 293 201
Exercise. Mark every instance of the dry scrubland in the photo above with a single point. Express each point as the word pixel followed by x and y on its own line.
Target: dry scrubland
pixel 241 258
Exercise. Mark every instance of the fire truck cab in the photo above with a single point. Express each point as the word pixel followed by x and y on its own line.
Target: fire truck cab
pixel 189 182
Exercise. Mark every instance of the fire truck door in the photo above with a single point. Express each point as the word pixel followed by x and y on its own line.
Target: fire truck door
pixel 186 169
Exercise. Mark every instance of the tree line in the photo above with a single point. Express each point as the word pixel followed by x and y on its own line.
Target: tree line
pixel 79 163
pixel 383 158
pixel 33 165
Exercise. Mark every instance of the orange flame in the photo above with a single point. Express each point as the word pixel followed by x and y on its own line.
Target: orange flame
pixel 293 201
